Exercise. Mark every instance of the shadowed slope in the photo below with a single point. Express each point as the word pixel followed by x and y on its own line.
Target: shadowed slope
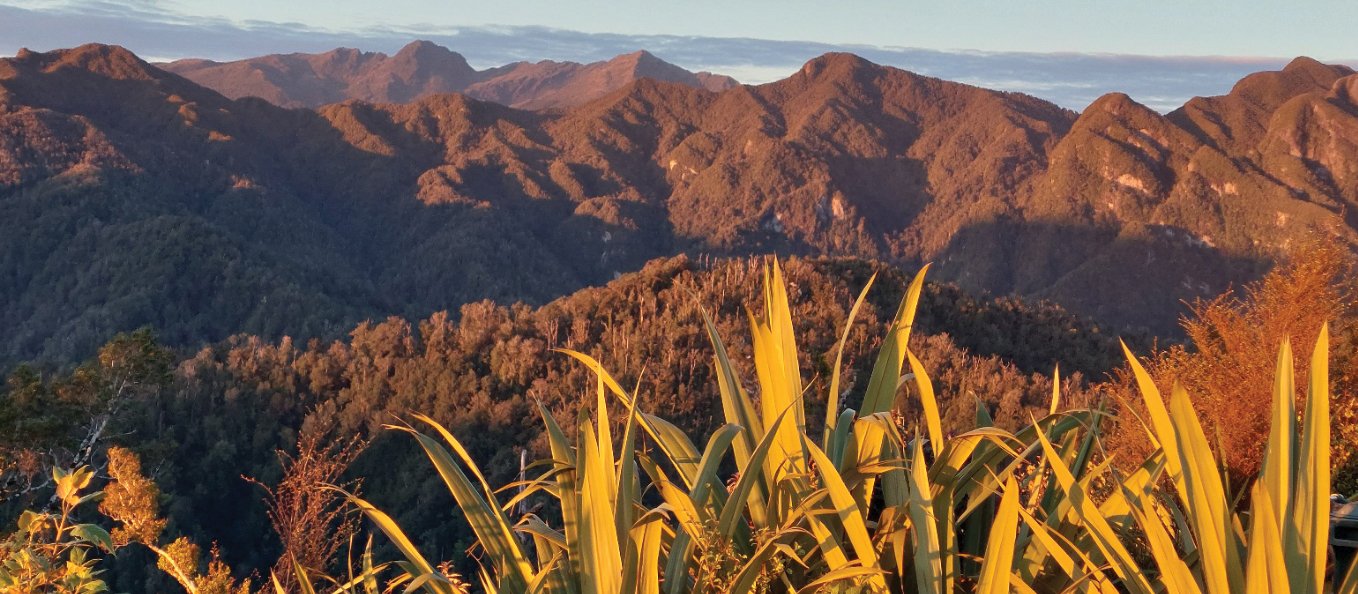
pixel 423 68
pixel 412 207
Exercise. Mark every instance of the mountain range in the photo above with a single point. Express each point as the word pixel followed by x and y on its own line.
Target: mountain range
pixel 423 68
pixel 132 195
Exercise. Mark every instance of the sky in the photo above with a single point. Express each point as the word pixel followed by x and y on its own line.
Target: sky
pixel 1067 51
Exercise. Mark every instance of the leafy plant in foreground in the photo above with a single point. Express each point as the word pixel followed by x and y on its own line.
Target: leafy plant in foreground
pixel 50 551
pixel 872 503
pixel 811 507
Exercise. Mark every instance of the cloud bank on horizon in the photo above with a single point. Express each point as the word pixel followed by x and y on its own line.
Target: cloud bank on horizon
pixel 1071 80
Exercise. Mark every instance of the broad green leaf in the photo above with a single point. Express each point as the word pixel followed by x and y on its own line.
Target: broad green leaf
pixel 1311 512
pixel 932 420
pixel 1161 430
pixel 418 566
pixel 1208 510
pixel 93 533
pixel 886 372
pixel 1175 574
pixel 1106 539
pixel 846 509
pixel 924 528
pixel 1056 390
pixel 647 538
pixel 832 397
pixel 600 551
pixel 750 476
pixel 1266 563
pixel 848 573
pixel 303 580
pixel 488 521
pixel 1279 458
pixel 999 550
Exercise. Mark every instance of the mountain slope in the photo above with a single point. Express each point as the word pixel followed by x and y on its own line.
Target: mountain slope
pixel 133 196
pixel 298 80
pixel 548 84
pixel 423 68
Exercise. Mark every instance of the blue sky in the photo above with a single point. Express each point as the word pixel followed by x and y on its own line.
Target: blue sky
pixel 1068 51
pixel 1321 28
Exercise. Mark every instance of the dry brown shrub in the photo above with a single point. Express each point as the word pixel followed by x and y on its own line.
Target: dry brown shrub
pixel 312 520
pixel 1229 363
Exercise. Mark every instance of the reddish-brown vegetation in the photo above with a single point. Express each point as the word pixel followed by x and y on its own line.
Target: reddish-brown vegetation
pixel 423 68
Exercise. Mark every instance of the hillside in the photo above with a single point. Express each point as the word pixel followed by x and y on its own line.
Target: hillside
pixel 423 68
pixel 132 196
pixel 482 370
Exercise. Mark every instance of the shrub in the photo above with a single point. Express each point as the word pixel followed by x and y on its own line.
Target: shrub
pixel 874 502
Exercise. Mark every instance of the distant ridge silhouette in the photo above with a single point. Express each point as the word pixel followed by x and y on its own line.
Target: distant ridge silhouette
pixel 423 68
pixel 135 196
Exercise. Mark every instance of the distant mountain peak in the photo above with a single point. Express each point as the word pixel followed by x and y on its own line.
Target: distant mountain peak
pixel 637 56
pixel 1346 89
pixel 1308 65
pixel 642 63
pixel 1301 75
pixel 1237 121
pixel 423 44
pixel 111 61
pixel 1008 193
pixel 836 63
pixel 422 49
pixel 1118 104
pixel 426 65
pixel 424 68
pixel 347 53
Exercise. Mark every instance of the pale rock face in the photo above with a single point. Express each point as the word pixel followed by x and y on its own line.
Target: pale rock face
pixel 1128 180
pixel 774 223
pixel 1225 189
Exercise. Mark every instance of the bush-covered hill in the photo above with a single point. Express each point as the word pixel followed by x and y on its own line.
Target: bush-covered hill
pixel 202 422
pixel 226 408
pixel 130 196
pixel 424 68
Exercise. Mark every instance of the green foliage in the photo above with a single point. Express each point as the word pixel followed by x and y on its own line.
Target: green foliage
pixel 867 510
pixel 49 552
pixel 64 420
pixel 231 405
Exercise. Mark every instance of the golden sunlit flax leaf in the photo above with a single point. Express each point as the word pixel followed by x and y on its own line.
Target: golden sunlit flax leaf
pixel 832 396
pixel 1279 455
pixel 998 564
pixel 600 552
pixel 1311 508
pixel 928 401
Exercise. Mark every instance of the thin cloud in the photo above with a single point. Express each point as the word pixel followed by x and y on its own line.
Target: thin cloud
pixel 1068 79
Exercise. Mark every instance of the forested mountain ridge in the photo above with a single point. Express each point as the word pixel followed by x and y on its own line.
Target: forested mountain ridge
pixel 483 370
pixel 131 196
pixel 423 68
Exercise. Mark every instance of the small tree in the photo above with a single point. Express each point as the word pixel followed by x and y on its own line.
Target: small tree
pixel 66 422
pixel 132 502
pixel 50 552
pixel 1229 362
pixel 312 521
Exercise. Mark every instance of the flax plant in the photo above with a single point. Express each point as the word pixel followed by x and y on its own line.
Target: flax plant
pixel 873 503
